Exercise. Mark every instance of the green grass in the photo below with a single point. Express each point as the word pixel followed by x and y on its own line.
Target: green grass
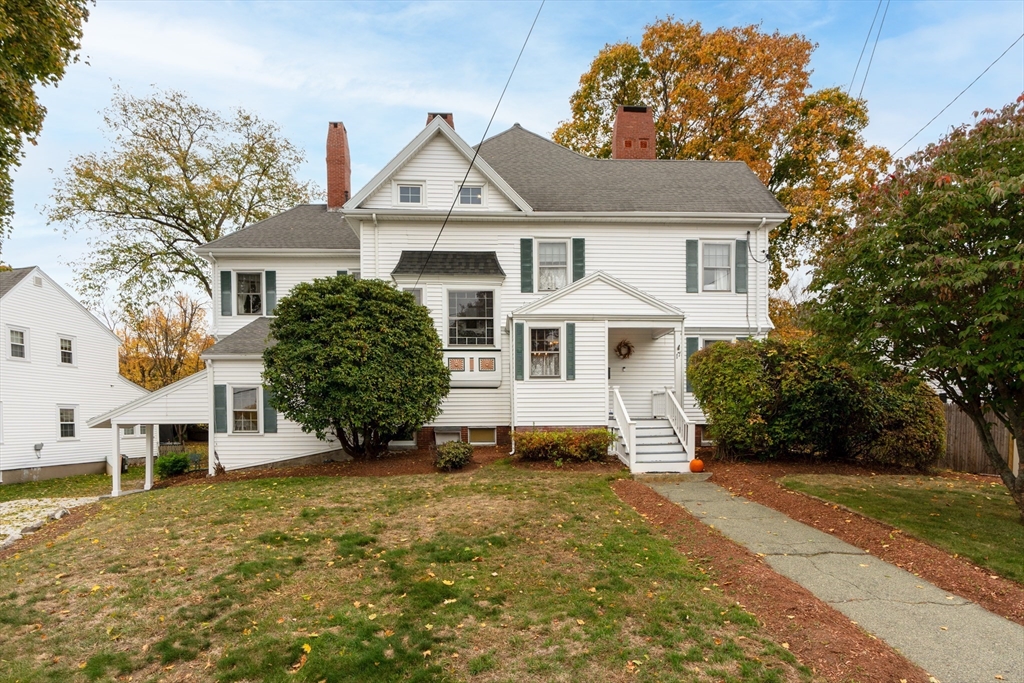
pixel 499 575
pixel 81 486
pixel 977 520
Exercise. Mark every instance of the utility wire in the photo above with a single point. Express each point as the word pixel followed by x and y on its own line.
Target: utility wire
pixel 872 58
pixel 958 96
pixel 480 145
pixel 865 46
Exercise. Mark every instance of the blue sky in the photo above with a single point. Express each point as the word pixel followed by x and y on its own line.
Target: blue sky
pixel 379 67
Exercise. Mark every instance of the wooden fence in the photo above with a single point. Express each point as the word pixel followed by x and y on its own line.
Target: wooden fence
pixel 964 452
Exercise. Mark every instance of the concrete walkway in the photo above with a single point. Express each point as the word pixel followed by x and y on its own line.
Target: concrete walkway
pixel 953 639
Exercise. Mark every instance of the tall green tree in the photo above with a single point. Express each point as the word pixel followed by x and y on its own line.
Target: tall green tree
pixel 38 40
pixel 178 175
pixel 357 360
pixel 931 278
pixel 738 94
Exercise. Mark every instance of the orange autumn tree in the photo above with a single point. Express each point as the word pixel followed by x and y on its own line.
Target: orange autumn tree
pixel 162 344
pixel 738 94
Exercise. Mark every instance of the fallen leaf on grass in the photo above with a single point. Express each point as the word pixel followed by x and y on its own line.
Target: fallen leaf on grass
pixel 306 647
pixel 580 622
pixel 299 664
pixel 785 645
pixel 448 583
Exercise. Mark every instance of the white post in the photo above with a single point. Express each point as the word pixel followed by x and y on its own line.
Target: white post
pixel 152 432
pixel 115 489
pixel 211 443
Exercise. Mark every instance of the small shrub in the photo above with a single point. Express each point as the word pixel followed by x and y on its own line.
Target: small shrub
pixel 568 445
pixel 172 464
pixel 453 455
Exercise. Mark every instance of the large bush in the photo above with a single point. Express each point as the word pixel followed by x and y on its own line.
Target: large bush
pixel 573 445
pixel 355 359
pixel 773 398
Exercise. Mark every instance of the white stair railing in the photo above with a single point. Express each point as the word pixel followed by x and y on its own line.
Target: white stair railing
pixel 627 427
pixel 682 426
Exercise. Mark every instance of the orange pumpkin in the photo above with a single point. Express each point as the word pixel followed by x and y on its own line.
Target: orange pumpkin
pixel 697 465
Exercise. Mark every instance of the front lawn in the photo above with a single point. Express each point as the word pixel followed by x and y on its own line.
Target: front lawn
pixel 970 517
pixel 500 574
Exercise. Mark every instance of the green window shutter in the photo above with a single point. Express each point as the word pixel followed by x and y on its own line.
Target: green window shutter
pixel 579 258
pixel 270 281
pixel 342 272
pixel 692 274
pixel 526 264
pixel 225 292
pixel 220 408
pixel 269 414
pixel 692 344
pixel 741 266
pixel 570 351
pixel 520 336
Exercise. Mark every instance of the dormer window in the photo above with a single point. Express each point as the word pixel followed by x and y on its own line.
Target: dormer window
pixel 471 196
pixel 410 194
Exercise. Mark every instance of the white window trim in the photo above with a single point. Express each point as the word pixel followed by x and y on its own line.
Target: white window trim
pixel 495 290
pixel 78 422
pixel 568 261
pixel 259 408
pixel 28 343
pixel 74 351
pixel 732 265
pixel 263 292
pixel 528 351
pixel 458 195
pixel 413 290
pixel 396 192
pixel 137 434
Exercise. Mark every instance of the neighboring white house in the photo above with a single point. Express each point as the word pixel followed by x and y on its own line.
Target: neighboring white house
pixel 58 368
pixel 568 291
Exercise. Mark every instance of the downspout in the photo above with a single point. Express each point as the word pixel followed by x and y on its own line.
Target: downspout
pixel 512 383
pixel 376 247
pixel 757 278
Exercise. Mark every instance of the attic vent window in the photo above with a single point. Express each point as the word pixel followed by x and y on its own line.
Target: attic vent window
pixel 37 281
pixel 643 144
pixel 629 144
pixel 471 196
pixel 410 194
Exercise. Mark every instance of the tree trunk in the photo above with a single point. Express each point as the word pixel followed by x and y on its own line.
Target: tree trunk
pixel 1015 484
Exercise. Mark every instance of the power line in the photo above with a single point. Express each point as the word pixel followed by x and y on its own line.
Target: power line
pixel 480 145
pixel 958 96
pixel 864 47
pixel 872 58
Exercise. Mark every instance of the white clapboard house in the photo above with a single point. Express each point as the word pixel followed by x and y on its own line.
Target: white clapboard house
pixel 58 367
pixel 568 291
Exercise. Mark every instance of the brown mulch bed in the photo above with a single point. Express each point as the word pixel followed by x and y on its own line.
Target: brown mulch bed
pixel 757 482
pixel 819 636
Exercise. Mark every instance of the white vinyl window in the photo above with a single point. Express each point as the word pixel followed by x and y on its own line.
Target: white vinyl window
pixel 128 431
pixel 552 265
pixel 417 293
pixel 17 346
pixel 142 430
pixel 545 352
pixel 471 196
pixel 717 268
pixel 68 425
pixel 245 409
pixel 249 293
pixel 410 194
pixel 471 318
pixel 66 349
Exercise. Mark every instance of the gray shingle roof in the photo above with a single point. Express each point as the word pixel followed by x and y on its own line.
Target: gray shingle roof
pixel 307 226
pixel 448 263
pixel 552 178
pixel 9 278
pixel 250 340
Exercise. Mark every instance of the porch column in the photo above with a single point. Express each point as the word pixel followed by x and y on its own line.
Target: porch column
pixel 152 432
pixel 678 340
pixel 115 471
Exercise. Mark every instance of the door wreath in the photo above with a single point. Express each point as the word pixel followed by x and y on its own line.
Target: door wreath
pixel 624 349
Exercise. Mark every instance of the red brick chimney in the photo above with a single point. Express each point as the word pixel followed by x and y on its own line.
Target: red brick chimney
pixel 446 116
pixel 339 166
pixel 633 133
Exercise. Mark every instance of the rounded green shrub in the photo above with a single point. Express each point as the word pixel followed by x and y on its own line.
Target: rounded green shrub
pixel 453 455
pixel 910 428
pixel 171 465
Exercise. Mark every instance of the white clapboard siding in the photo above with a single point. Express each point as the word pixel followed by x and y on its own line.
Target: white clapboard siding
pixel 649 367
pixel 186 401
pixel 480 407
pixel 440 168
pixel 31 390
pixel 290 272
pixel 236 451
pixel 561 402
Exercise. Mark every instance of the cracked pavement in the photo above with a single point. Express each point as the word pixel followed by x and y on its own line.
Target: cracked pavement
pixel 953 639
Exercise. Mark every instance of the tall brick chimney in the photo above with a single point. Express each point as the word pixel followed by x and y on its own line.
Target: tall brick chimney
pixel 633 134
pixel 339 166
pixel 446 116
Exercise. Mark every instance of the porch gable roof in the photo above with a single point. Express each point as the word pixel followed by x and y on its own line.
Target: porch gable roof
pixel 599 295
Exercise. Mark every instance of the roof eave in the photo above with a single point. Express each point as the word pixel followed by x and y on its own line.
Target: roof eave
pixel 276 251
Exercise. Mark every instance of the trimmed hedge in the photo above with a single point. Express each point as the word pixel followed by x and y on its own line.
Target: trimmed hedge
pixel 573 445
pixel 772 398
pixel 171 465
pixel 453 455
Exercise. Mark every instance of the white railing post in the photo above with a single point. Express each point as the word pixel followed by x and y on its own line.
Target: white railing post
pixel 680 423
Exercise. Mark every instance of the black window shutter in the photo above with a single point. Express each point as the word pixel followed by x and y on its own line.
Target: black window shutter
pixel 220 408
pixel 741 266
pixel 520 335
pixel 692 275
pixel 570 351
pixel 269 414
pixel 692 344
pixel 526 264
pixel 579 258
pixel 270 282
pixel 225 292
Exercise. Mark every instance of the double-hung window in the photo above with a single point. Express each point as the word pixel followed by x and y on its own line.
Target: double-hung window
pixel 66 417
pixel 553 265
pixel 471 318
pixel 545 352
pixel 471 196
pixel 249 291
pixel 245 409
pixel 18 344
pixel 717 267
pixel 417 294
pixel 128 431
pixel 67 350
pixel 410 194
